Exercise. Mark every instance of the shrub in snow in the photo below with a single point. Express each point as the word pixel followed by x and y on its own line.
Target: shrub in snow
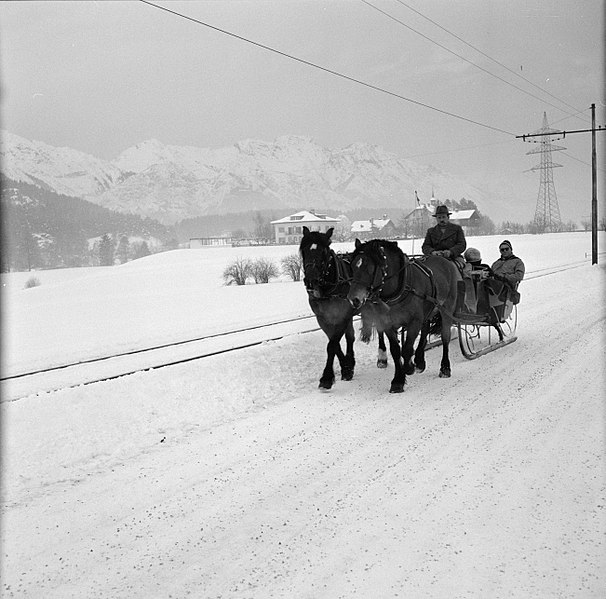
pixel 237 272
pixel 292 266
pixel 263 269
pixel 31 282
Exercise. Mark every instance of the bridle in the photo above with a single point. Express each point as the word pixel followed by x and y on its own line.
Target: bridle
pixel 380 277
pixel 329 263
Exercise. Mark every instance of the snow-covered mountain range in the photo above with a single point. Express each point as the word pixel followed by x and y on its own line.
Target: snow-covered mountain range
pixel 171 183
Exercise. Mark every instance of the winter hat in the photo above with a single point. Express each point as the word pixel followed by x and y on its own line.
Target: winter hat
pixel 472 255
pixel 441 210
pixel 505 242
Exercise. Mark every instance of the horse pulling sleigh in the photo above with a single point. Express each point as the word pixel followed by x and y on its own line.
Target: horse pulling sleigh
pixel 420 295
pixel 327 277
pixel 394 292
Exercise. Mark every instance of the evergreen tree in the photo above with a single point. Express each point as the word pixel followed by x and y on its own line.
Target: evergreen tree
pixel 106 250
pixel 140 250
pixel 123 249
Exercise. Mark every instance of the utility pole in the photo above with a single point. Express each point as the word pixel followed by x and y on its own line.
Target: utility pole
pixel 594 178
pixel 594 193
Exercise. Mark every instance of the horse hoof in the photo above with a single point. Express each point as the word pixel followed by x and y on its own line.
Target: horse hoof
pixel 445 373
pixel 325 385
pixel 420 369
pixel 382 363
pixel 347 375
pixel 410 369
pixel 397 388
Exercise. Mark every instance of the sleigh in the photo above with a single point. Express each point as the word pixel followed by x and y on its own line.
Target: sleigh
pixel 494 321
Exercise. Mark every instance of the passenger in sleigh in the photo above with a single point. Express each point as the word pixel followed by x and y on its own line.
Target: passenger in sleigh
pixel 476 298
pixel 502 287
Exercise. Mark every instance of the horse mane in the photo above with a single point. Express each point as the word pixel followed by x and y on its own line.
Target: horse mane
pixel 374 246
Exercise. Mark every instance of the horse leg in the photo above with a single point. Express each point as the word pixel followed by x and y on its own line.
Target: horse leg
pixel 420 364
pixel 382 352
pixel 348 362
pixel 399 379
pixel 332 349
pixel 408 347
pixel 446 333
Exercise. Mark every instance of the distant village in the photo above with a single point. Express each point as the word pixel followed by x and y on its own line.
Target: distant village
pixel 289 229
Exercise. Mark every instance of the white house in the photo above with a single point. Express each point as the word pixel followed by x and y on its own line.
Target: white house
pixel 375 227
pixel 468 219
pixel 205 242
pixel 289 230
pixel 420 219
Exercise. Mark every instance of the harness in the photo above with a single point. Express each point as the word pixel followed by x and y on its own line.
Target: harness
pixel 342 276
pixel 405 287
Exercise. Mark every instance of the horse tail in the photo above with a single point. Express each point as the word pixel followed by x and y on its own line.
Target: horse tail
pixel 435 326
pixel 367 332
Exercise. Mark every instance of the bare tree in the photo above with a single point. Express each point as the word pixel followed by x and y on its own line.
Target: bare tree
pixel 292 266
pixel 263 269
pixel 237 272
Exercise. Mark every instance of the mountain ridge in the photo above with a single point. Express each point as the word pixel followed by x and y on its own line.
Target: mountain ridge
pixel 171 183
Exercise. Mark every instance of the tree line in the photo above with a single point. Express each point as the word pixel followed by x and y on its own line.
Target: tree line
pixel 42 229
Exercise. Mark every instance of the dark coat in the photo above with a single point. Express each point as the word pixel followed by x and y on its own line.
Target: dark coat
pixel 453 239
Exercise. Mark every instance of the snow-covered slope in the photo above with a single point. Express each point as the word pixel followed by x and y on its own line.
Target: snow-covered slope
pixel 235 477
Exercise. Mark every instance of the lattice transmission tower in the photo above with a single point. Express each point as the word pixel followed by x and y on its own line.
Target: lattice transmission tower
pixel 547 213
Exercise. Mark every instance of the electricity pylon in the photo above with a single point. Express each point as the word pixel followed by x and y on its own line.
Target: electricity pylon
pixel 547 213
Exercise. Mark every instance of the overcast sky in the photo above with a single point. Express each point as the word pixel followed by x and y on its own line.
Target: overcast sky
pixel 103 76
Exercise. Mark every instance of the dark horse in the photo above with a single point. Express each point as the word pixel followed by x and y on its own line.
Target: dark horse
pixel 392 291
pixel 327 279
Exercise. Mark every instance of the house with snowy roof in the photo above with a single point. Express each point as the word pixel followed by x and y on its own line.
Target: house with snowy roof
pixel 373 228
pixel 468 219
pixel 289 230
pixel 416 222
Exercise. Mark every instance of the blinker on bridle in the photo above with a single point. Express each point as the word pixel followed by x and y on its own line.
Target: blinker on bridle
pixel 322 272
pixel 375 290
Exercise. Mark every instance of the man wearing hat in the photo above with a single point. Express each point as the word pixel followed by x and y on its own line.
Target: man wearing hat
pixel 507 272
pixel 445 239
pixel 508 268
pixel 448 240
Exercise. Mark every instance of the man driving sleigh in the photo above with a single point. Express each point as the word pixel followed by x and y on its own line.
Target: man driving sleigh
pixel 447 240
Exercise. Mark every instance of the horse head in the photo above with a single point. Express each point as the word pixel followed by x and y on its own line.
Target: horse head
pixel 369 271
pixel 315 254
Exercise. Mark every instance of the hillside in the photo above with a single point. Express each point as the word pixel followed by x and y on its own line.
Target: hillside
pixel 44 229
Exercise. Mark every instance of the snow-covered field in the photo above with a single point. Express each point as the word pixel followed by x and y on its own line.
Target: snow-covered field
pixel 233 476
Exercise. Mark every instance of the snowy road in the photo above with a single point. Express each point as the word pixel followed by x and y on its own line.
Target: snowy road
pixel 489 484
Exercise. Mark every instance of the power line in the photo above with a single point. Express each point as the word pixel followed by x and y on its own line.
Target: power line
pixel 497 143
pixel 493 60
pixel 582 161
pixel 325 69
pixel 459 55
pixel 570 116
